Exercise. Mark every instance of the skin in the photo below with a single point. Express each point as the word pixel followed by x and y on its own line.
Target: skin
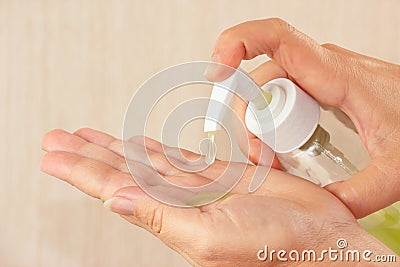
pixel 366 89
pixel 283 213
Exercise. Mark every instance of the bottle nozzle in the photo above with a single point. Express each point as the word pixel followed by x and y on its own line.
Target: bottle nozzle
pixel 262 100
pixel 221 96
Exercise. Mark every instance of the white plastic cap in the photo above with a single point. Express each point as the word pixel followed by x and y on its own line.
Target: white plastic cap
pixel 221 96
pixel 290 120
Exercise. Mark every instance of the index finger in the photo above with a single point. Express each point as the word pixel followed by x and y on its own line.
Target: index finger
pixel 310 65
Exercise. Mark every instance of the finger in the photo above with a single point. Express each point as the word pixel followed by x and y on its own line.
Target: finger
pixel 161 220
pixel 313 67
pixel 91 176
pixel 244 41
pixel 101 139
pixel 133 150
pixel 63 141
pixel 170 161
pixel 152 174
pixel 167 160
pixel 358 191
pixel 133 153
pixel 268 71
pixel 250 145
pixel 223 173
pixel 153 154
pixel 152 157
pixel 258 152
pixel 226 174
pixel 180 172
pixel 155 146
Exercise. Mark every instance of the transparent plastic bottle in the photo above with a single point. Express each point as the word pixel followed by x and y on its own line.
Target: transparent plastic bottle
pixel 320 145
pixel 321 162
pixel 317 144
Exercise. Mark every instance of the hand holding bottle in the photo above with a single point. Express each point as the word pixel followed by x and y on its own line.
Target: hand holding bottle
pixel 281 213
pixel 363 87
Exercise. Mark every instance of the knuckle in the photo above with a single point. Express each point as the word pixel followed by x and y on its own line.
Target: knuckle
pixel 157 160
pixel 121 165
pixel 55 132
pixel 85 148
pixel 81 130
pixel 329 46
pixel 161 164
pixel 281 25
pixel 109 177
pixel 115 145
pixel 76 169
pixel 277 23
pixel 227 34
pixel 154 217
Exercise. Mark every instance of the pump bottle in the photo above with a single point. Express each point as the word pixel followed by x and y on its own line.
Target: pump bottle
pixel 319 145
pixel 301 136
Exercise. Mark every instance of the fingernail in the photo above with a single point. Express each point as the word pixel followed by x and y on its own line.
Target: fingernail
pixel 119 205
pixel 214 69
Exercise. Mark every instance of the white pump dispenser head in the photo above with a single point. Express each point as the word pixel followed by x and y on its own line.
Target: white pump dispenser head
pixel 221 96
pixel 285 124
pixel 295 117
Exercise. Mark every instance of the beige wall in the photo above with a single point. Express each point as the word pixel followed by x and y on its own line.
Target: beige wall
pixel 68 64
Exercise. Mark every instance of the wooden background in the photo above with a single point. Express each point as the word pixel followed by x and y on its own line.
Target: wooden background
pixel 69 64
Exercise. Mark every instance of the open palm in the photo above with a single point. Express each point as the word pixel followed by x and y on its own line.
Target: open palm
pixel 285 212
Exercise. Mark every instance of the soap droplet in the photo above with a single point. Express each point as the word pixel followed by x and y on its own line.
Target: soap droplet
pixel 211 151
pixel 204 198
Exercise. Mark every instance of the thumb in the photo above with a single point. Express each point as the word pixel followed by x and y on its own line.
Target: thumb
pixel 178 228
pixel 368 191
pixel 154 216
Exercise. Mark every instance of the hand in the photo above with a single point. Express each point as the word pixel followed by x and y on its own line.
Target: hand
pixel 285 213
pixel 366 89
